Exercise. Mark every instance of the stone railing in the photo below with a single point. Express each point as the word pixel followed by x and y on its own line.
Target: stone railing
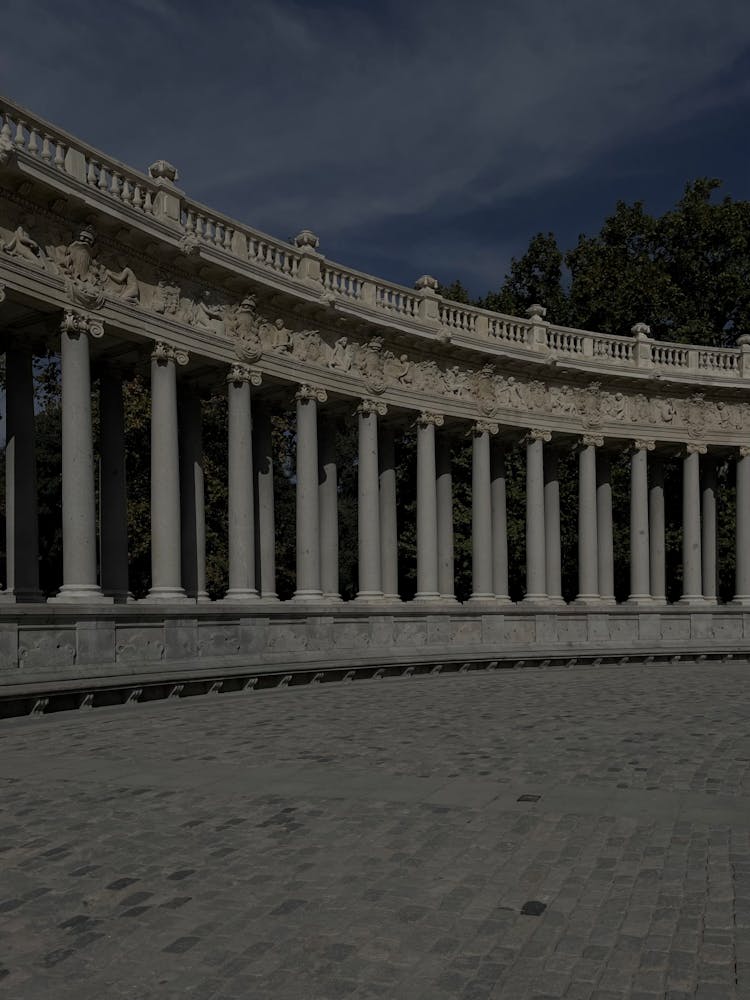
pixel 297 266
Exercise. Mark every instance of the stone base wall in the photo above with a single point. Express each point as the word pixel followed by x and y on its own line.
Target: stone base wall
pixel 41 645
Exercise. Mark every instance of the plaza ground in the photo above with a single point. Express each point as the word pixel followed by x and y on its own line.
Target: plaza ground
pixel 382 838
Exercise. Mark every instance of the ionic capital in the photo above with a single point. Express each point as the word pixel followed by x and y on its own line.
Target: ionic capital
pixel 426 418
pixel 75 323
pixel 484 427
pixel 744 450
pixel 591 441
pixel 243 373
pixel 368 406
pixel 696 448
pixel 309 392
pixel 537 434
pixel 163 352
pixel 643 444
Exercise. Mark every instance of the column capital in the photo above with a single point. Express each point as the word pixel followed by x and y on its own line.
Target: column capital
pixel 591 441
pixel 484 427
pixel 307 392
pixel 696 448
pixel 368 406
pixel 76 323
pixel 164 352
pixel 426 417
pixel 243 373
pixel 537 434
pixel 643 444
pixel 744 450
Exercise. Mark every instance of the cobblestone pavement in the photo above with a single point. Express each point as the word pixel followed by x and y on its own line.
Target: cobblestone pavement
pixel 384 838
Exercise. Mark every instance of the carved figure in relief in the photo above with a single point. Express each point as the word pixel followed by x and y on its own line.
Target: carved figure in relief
pixel 372 365
pixel 201 311
pixel 127 283
pixel 665 410
pixel 398 369
pixel 538 397
pixel 728 417
pixel 241 323
pixel 455 380
pixel 22 245
pixel 341 356
pixel 614 406
pixel 281 337
pixel 83 279
pixel 640 409
pixel 695 414
pixel 166 298
pixel 564 400
pixel 308 346
pixel 427 376
pixel 590 404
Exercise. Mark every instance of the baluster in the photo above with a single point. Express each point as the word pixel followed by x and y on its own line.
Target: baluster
pixel 115 186
pixel 218 234
pixel 91 173
pixel 199 226
pixel 127 191
pixel 148 204
pixel 33 142
pixel 20 139
pixel 59 156
pixel 6 132
pixel 47 148
pixel 190 221
pixel 228 235
pixel 137 197
pixel 102 178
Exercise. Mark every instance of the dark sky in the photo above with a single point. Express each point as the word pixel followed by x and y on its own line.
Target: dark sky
pixel 412 137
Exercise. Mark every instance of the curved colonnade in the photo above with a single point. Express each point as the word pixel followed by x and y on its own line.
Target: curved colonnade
pixel 121 272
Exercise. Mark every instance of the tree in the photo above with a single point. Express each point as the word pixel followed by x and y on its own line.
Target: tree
pixel 536 277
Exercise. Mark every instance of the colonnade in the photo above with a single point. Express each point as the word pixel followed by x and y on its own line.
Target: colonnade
pixel 178 538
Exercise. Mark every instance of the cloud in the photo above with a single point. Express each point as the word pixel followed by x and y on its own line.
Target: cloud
pixel 339 116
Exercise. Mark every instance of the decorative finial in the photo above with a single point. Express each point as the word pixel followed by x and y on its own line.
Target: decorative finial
pixel 641 331
pixel 536 311
pixel 164 171
pixel 306 238
pixel 425 282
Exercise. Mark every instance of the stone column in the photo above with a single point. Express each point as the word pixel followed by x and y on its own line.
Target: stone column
pixel 192 496
pixel 113 498
pixel 604 530
pixel 656 525
pixel 708 530
pixel 742 528
pixel 536 562
pixel 588 566
pixel 499 522
pixel 240 461
pixel 328 499
pixel 692 587
pixel 444 494
pixel 265 538
pixel 427 550
pixel 21 511
pixel 639 546
pixel 388 522
pixel 78 498
pixel 308 497
pixel 166 549
pixel 552 540
pixel 481 512
pixel 368 501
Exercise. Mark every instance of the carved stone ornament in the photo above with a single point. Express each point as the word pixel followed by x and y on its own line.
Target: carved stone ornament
pixel 190 245
pixel 426 418
pixel 484 427
pixel 163 170
pixel 744 450
pixel 372 366
pixel 426 283
pixel 243 373
pixel 163 352
pixel 368 406
pixel 307 392
pixel 644 444
pixel 306 239
pixel 6 150
pixel 592 440
pixel 243 324
pixel 696 448
pixel 76 323
pixel 641 331
pixel 539 434
pixel 536 312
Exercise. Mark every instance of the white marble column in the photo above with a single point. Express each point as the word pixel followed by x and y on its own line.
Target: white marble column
pixel 444 500
pixel 604 529
pixel 308 497
pixel 656 533
pixel 499 522
pixel 265 535
pixel 166 548
pixel 241 519
pixel 481 512
pixel 388 515
pixel 21 509
pixel 113 498
pixel 552 535
pixel 742 528
pixel 708 530
pixel 692 585
pixel 192 495
pixel 639 546
pixel 368 501
pixel 427 545
pixel 328 499
pixel 588 567
pixel 78 499
pixel 536 562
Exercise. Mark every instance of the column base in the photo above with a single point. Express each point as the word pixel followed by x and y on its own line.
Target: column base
pixel 584 599
pixel 449 599
pixel 203 598
pixel 691 600
pixel 270 598
pixel 79 593
pixel 21 597
pixel 481 599
pixel 238 596
pixel 120 596
pixel 740 601
pixel 332 598
pixel 640 600
pixel 428 597
pixel 713 601
pixel 167 595
pixel 539 599
pixel 369 597
pixel 503 599
pixel 308 596
pixel 393 598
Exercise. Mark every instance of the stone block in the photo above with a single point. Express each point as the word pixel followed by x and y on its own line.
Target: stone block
pixel 572 628
pixel 253 634
pixel 180 638
pixel 623 628
pixel 675 627
pixel 649 626
pixel 46 650
pixel 520 630
pixel 319 632
pixel 95 642
pixel 727 626
pixel 140 643
pixel 351 634
pixel 493 628
pixel 381 631
pixel 467 631
pixel 441 629
pixel 410 632
pixel 547 628
pixel 218 639
pixel 598 628
pixel 286 636
pixel 701 626
pixel 8 648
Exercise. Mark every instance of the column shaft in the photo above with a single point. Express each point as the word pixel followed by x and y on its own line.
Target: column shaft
pixel 481 516
pixel 742 528
pixel 308 501
pixel 656 523
pixel 265 538
pixel 113 498
pixel 444 488
pixel 241 515
pixel 21 510
pixel 552 539
pixel 639 545
pixel 388 522
pixel 328 498
pixel 427 549
pixel 192 496
pixel 604 529
pixel 499 522
pixel 708 530
pixel 368 505
pixel 588 570
pixel 692 591
pixel 536 563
